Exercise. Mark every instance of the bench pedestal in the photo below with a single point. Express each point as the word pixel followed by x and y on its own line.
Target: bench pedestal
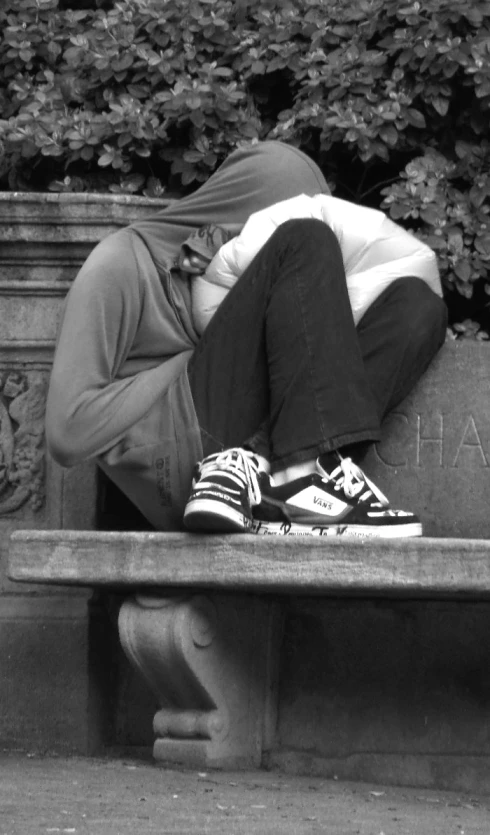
pixel 210 660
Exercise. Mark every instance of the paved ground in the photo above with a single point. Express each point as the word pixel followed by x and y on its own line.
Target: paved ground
pixel 134 797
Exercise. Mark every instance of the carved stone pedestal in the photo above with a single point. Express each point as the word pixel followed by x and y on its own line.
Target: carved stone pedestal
pixel 211 661
pixel 51 695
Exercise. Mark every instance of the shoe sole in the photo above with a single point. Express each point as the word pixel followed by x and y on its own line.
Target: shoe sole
pixel 363 531
pixel 209 515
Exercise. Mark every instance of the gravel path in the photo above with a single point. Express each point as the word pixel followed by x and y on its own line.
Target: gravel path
pixel 123 796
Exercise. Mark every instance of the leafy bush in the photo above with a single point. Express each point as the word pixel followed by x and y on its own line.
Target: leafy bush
pixel 391 98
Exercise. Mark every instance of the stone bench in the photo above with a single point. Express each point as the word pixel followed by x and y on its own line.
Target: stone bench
pixel 361 659
pixel 205 620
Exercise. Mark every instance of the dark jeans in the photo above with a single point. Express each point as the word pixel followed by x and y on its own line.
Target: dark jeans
pixel 282 365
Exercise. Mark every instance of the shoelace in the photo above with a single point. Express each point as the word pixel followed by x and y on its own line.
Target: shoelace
pixel 351 479
pixel 240 465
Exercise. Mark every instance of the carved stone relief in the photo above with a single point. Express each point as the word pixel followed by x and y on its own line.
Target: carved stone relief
pixel 22 448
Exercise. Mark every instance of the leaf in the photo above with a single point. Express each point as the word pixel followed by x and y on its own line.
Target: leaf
pixel 482 244
pixel 72 55
pixel 441 105
pixel 399 211
pixel 478 196
pixel 106 159
pixel 432 214
pixel 193 101
pixel 388 115
pixel 122 63
pixel 197 118
pixel 224 72
pixel 210 160
pixel 463 270
pixel 464 289
pixel 188 177
pixel 415 118
pixel 138 91
pixel 192 156
pixel 389 134
pixel 202 144
pixel 52 150
pixel 133 182
pixel 154 188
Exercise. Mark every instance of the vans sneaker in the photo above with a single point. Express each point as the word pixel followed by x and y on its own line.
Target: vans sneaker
pixel 343 502
pixel 224 489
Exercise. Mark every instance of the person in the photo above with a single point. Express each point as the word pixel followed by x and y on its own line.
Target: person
pixel 189 419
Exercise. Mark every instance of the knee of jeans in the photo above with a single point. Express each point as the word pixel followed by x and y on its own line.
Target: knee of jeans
pixel 424 313
pixel 307 229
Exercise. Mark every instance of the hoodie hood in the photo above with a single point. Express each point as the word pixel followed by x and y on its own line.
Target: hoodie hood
pixel 250 179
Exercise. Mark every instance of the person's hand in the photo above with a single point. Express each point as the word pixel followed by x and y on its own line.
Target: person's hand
pixel 193 264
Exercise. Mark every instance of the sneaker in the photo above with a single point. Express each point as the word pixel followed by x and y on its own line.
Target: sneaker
pixel 224 489
pixel 344 502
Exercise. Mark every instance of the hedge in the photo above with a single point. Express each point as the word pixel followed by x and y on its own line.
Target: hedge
pixel 391 98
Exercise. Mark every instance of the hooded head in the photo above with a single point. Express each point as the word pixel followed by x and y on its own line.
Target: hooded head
pixel 250 179
pixel 201 246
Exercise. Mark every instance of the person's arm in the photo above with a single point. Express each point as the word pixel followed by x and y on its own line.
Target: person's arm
pixel 88 408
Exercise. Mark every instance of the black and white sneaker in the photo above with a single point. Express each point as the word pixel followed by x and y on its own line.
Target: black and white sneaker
pixel 343 502
pixel 224 489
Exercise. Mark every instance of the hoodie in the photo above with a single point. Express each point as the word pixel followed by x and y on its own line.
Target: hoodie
pixel 119 391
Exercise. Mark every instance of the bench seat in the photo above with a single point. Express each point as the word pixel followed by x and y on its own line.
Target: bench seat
pixel 414 567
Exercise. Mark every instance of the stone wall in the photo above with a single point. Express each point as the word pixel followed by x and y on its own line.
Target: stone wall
pixel 435 453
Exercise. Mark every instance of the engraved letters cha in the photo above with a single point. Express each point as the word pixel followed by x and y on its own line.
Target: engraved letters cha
pixel 418 440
